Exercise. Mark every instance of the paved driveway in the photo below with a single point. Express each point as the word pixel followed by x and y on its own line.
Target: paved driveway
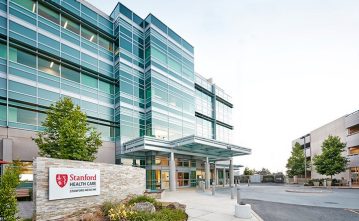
pixel 335 198
pixel 202 206
pixel 270 211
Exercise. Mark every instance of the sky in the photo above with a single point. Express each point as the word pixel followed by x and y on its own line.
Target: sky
pixel 290 66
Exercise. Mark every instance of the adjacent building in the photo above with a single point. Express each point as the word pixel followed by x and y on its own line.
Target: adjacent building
pixel 347 129
pixel 133 77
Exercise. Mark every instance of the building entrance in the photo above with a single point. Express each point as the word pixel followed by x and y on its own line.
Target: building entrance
pixel 165 179
pixel 355 175
pixel 183 179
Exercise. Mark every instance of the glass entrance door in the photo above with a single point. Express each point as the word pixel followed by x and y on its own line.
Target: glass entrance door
pixel 165 179
pixel 183 179
pixel 355 175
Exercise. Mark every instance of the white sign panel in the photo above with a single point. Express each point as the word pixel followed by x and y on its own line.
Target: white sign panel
pixel 69 183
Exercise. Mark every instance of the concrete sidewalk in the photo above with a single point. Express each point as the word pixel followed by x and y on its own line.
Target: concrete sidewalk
pixel 203 206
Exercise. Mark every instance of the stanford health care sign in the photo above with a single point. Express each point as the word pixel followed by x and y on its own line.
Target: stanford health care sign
pixel 70 183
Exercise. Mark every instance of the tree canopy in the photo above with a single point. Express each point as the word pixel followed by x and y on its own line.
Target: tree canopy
pixel 331 161
pixel 67 134
pixel 263 171
pixel 248 171
pixel 8 183
pixel 295 165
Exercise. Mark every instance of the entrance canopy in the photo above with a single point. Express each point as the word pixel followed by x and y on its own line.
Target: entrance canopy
pixel 190 145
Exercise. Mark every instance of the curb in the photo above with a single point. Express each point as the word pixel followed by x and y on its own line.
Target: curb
pixel 256 216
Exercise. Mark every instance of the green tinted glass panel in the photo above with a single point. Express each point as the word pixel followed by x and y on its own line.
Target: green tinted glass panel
pixel 106 87
pixel 2 112
pixel 89 81
pixel 174 65
pixel 70 74
pixel 49 14
pixel 69 24
pixel 89 35
pixel 48 66
pixel 22 57
pixel 105 43
pixel 28 4
pixel 159 55
pixel 2 50
pixel 22 116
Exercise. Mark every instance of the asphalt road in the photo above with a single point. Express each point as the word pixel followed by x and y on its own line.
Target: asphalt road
pixel 270 211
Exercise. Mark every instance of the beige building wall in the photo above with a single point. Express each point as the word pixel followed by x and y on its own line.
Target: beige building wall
pixel 24 148
pixel 335 128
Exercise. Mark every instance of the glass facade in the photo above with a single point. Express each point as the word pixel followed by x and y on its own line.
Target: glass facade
pixel 133 77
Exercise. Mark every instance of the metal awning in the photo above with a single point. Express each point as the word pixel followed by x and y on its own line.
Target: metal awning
pixel 190 145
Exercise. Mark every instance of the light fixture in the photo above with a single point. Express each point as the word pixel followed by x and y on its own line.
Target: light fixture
pixel 65 25
pixel 92 37
pixel 34 7
pixel 51 64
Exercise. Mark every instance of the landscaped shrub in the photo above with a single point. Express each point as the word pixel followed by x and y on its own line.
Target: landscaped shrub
pixel 106 206
pixel 123 211
pixel 164 214
pixel 138 199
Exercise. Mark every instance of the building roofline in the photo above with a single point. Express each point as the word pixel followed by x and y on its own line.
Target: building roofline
pixel 99 11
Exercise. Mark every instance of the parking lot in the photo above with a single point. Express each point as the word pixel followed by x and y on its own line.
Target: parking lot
pixel 292 202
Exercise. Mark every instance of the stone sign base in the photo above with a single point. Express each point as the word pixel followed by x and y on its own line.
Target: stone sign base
pixel 116 183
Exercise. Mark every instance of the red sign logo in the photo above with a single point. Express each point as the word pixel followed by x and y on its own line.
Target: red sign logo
pixel 61 180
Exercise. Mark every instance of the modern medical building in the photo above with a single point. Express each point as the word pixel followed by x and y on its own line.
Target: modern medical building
pixel 347 129
pixel 133 77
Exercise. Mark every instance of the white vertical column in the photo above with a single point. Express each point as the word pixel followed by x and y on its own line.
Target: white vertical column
pixel 172 172
pixel 231 173
pixel 215 174
pixel 208 173
pixel 224 176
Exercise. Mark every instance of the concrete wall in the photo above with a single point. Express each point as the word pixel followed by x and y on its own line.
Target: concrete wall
pixel 116 183
pixel 335 128
pixel 25 149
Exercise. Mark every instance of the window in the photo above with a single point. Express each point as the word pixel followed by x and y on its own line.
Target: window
pixel 125 44
pixel 49 67
pixel 2 112
pixel 89 35
pixel 159 55
pixel 353 130
pixel 22 116
pixel 2 50
pixel 28 4
pixel 89 81
pixel 69 24
pixel 105 43
pixel 22 57
pixel 70 74
pixel 105 87
pixel 49 14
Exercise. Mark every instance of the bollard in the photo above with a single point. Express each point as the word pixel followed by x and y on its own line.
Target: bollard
pixel 239 182
pixel 213 190
pixel 248 182
pixel 238 197
pixel 235 183
pixel 203 186
pixel 232 193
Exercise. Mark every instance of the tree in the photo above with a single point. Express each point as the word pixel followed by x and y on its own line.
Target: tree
pixel 263 171
pixel 248 171
pixel 295 165
pixel 331 161
pixel 67 134
pixel 8 183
